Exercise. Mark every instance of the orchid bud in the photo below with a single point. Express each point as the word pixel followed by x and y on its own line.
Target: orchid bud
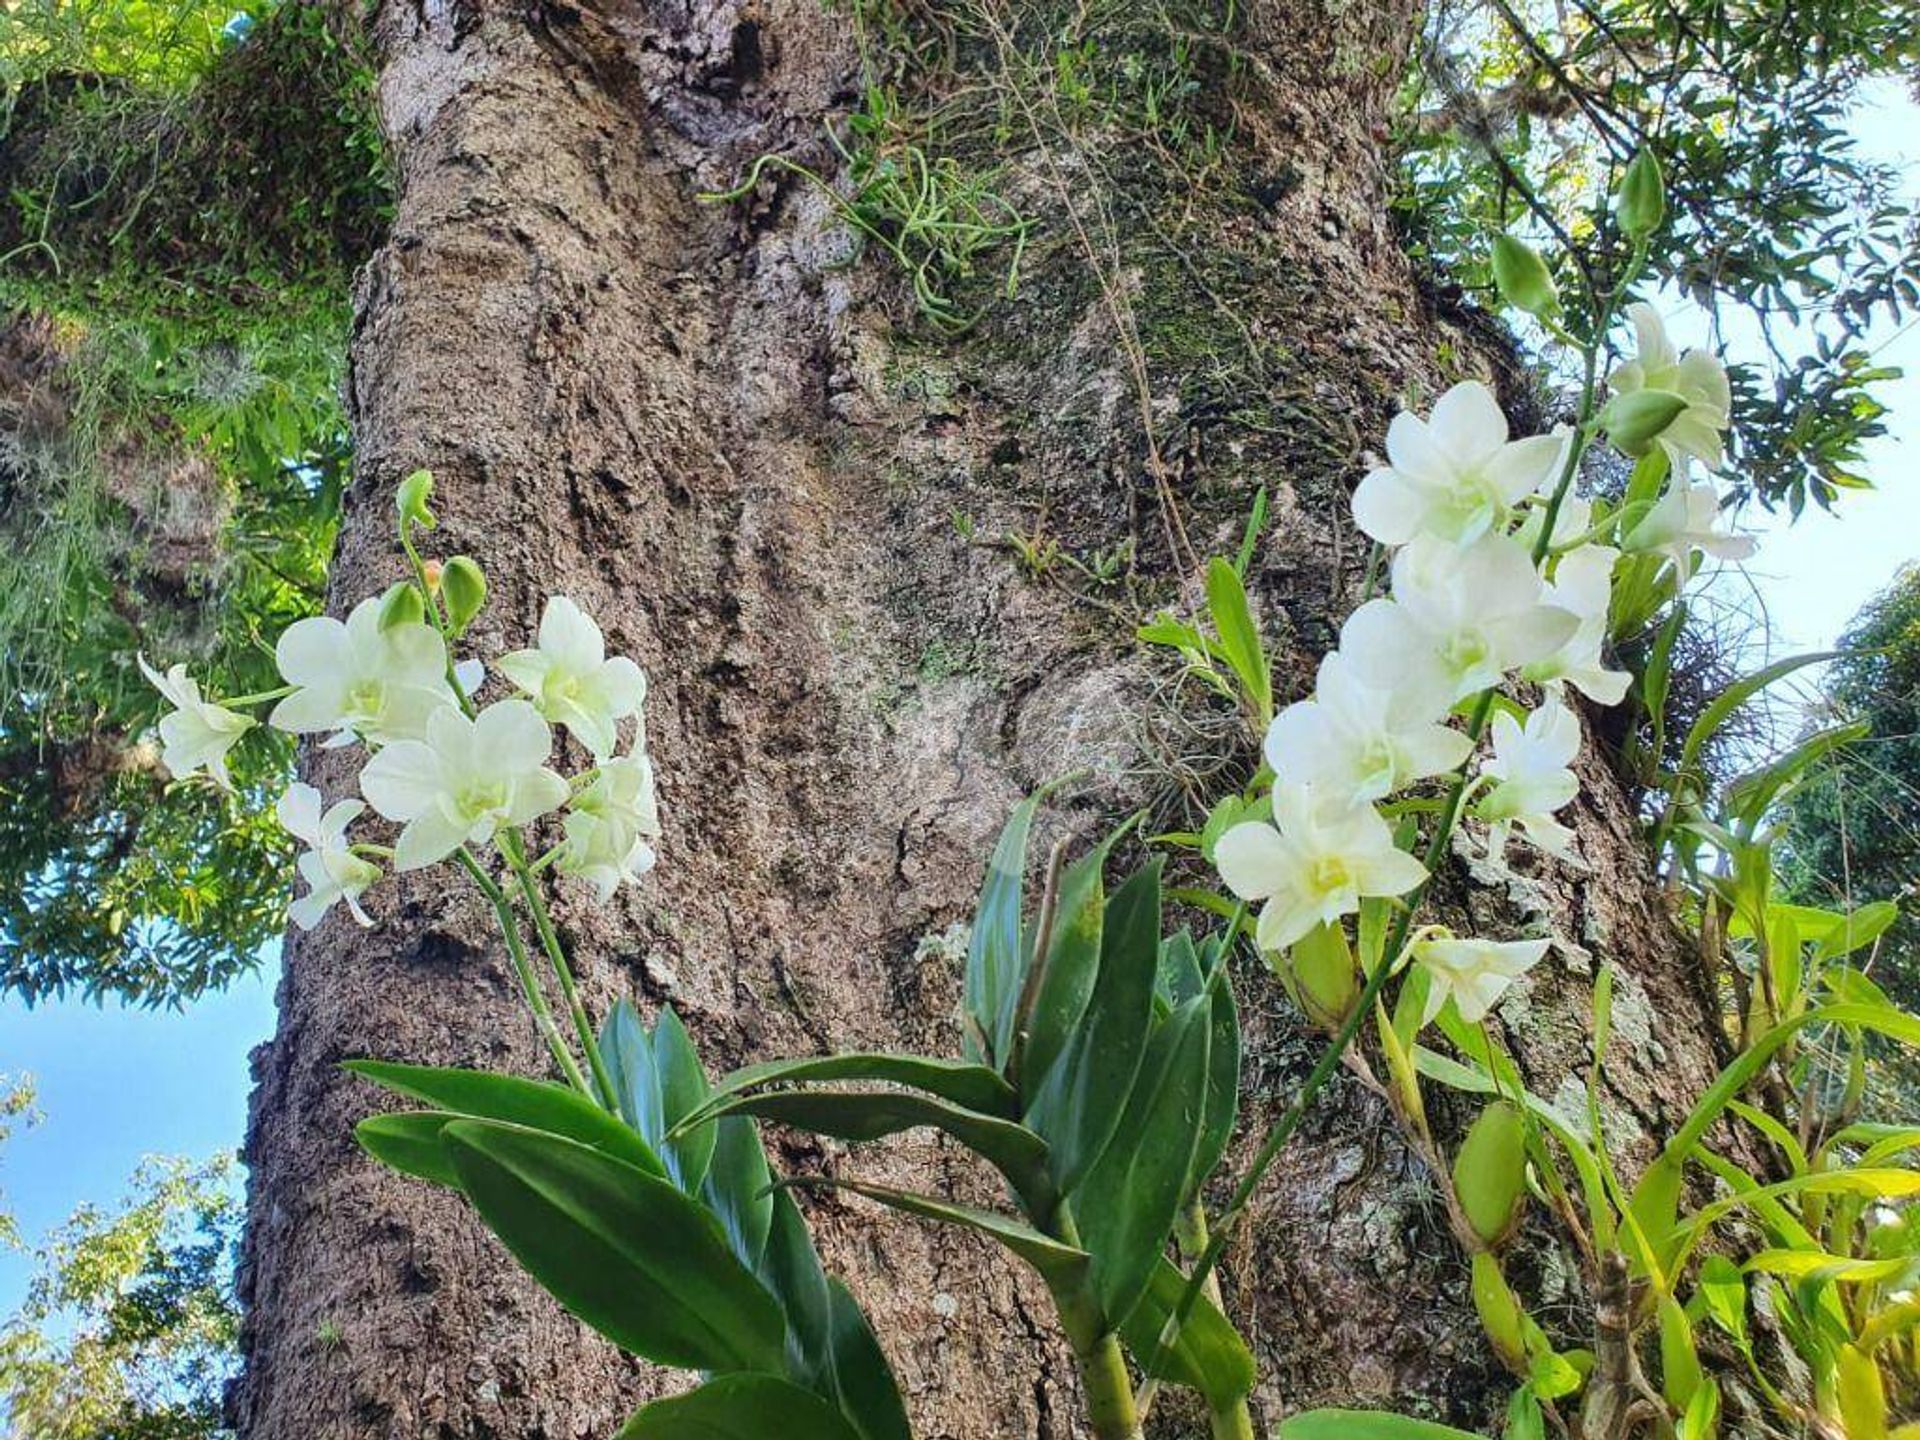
pixel 1499 1311
pixel 1322 971
pixel 402 605
pixel 430 572
pixel 1490 1172
pixel 464 587
pixel 411 499
pixel 1642 200
pixel 1637 418
pixel 1523 278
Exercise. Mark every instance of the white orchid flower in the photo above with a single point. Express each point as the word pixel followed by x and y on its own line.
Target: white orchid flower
pixel 356 679
pixel 1312 864
pixel 1684 519
pixel 1357 741
pixel 1459 620
pixel 610 824
pixel 1530 765
pixel 1474 973
pixel 603 852
pixel 1583 584
pixel 1453 475
pixel 571 679
pixel 196 734
pixel 330 868
pixel 1697 377
pixel 465 781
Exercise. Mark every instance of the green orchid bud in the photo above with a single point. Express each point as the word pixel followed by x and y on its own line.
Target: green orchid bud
pixel 1324 980
pixel 1636 419
pixel 1523 278
pixel 402 605
pixel 464 587
pixel 1490 1172
pixel 1500 1313
pixel 411 499
pixel 1641 202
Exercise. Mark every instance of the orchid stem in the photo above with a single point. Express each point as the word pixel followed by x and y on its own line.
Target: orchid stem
pixel 523 969
pixel 557 956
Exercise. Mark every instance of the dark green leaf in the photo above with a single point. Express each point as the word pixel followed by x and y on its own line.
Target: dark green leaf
pixel 410 1143
pixel 1084 1097
pixel 514 1100
pixel 971 1087
pixel 624 1250
pixel 1223 1085
pixel 790 1267
pixel 1127 1205
pixel 863 1381
pixel 860 1115
pixel 741 1407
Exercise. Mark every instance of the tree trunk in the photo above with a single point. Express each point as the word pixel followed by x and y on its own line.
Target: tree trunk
pixel 780 491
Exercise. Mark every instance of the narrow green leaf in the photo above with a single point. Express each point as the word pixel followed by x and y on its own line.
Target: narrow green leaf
pixel 1080 1105
pixel 627 1051
pixel 1240 637
pixel 622 1249
pixel 736 1187
pixel 1127 1206
pixel 410 1143
pixel 514 1100
pixel 959 1082
pixel 1207 1355
pixel 1736 695
pixel 996 955
pixel 740 1407
pixel 863 1380
pixel 682 1090
pixel 861 1115
pixel 1365 1425
pixel 790 1268
pixel 1069 970
pixel 1062 1267
pixel 1223 1084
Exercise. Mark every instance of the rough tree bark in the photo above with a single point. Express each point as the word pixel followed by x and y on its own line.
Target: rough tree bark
pixel 744 456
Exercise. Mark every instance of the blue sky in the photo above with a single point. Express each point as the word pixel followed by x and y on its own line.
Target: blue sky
pixel 117 1084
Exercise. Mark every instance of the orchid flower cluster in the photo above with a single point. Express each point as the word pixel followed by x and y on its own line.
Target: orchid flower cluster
pixel 1499 574
pixel 450 772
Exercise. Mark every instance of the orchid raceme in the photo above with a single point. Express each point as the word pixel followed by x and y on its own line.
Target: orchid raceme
pixel 196 734
pixel 465 781
pixel 1474 974
pixel 1582 584
pixel 1696 377
pixel 1313 864
pixel 1686 519
pixel 1453 476
pixel 571 680
pixel 355 679
pixel 1530 765
pixel 1358 740
pixel 1459 619
pixel 330 868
